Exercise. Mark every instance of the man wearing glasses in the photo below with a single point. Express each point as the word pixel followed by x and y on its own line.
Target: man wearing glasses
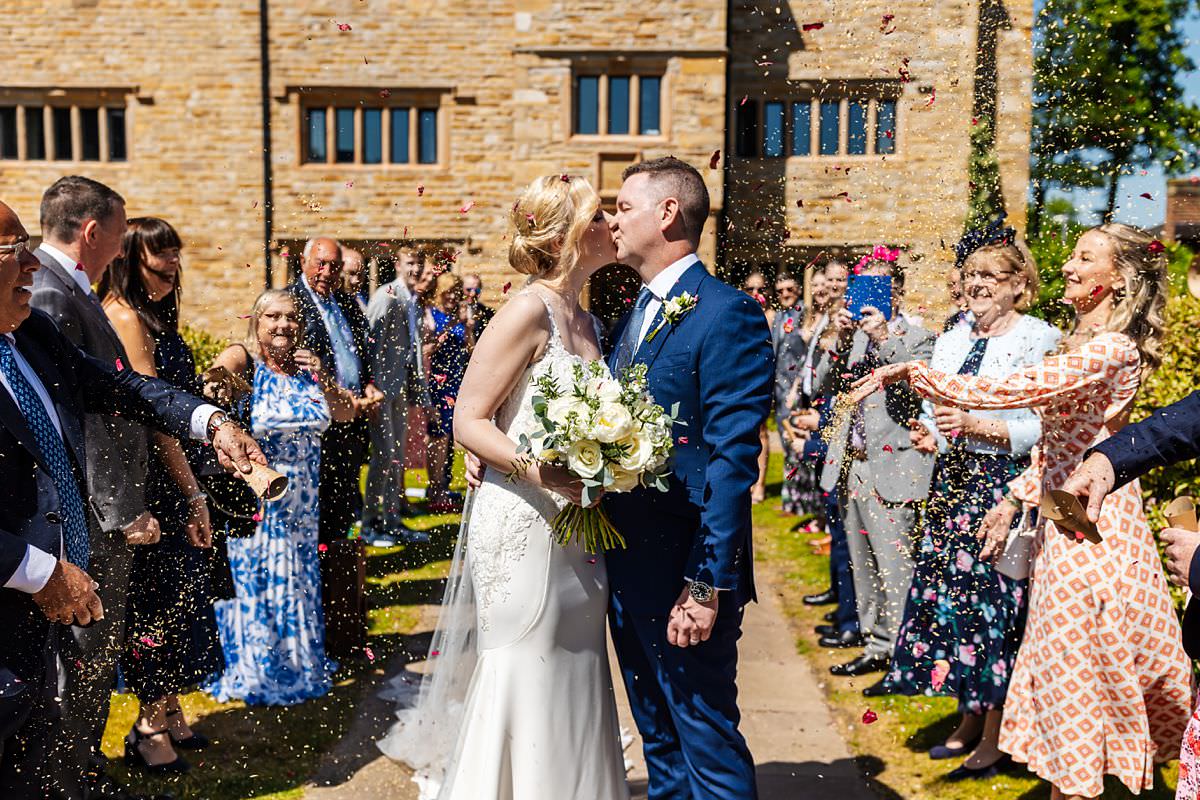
pixel 335 329
pixel 472 289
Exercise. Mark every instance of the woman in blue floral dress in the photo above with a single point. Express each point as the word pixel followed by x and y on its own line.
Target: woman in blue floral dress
pixel 964 620
pixel 273 631
pixel 450 330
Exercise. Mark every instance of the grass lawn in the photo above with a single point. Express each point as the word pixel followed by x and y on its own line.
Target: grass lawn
pixel 271 752
pixel 891 750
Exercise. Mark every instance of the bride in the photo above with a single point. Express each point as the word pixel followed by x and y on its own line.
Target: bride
pixel 520 704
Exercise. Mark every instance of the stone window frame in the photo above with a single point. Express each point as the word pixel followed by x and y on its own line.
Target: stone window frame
pixel 615 65
pixel 385 99
pixel 76 100
pixel 816 92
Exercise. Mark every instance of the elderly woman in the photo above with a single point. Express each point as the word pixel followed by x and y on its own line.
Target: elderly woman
pixel 1101 684
pixel 963 619
pixel 273 631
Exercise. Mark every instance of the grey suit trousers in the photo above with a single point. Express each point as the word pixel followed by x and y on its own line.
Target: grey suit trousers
pixel 385 470
pixel 88 659
pixel 881 538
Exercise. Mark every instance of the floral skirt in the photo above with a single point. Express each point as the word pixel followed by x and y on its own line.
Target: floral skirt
pixel 801 492
pixel 960 611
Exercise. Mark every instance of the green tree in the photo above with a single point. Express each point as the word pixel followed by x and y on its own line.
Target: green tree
pixel 1107 96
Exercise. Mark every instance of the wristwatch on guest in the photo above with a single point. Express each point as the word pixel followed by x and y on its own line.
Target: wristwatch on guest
pixel 700 591
pixel 217 419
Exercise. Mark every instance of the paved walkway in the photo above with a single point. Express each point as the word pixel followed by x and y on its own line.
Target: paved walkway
pixel 797 748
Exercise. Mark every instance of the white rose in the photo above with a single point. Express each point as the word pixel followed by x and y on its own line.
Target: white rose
pixel 613 422
pixel 639 451
pixel 608 390
pixel 623 480
pixel 584 458
pixel 560 408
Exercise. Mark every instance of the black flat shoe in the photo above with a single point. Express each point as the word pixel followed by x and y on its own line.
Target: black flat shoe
pixel 830 617
pixel 941 751
pixel 863 665
pixel 134 757
pixel 197 741
pixel 843 639
pixel 964 773
pixel 824 598
pixel 826 630
pixel 877 689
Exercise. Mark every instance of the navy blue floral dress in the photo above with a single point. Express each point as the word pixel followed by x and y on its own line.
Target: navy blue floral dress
pixel 273 632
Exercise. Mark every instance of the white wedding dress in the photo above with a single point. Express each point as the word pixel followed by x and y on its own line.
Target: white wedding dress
pixel 538 718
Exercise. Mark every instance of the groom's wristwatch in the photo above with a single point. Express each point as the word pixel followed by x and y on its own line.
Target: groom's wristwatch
pixel 700 591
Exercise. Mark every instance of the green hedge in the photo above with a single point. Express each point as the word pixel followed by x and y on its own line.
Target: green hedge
pixel 204 346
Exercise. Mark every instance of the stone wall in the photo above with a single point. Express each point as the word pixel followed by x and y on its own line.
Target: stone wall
pixel 501 73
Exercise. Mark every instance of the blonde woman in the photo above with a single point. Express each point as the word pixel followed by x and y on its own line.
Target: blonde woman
pixel 1101 685
pixel 533 715
pixel 450 332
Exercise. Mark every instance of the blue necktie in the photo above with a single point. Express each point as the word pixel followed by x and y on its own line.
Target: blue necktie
pixel 974 359
pixel 631 336
pixel 54 451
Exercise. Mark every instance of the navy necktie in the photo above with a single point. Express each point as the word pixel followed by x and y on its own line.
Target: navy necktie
pixel 54 451
pixel 631 337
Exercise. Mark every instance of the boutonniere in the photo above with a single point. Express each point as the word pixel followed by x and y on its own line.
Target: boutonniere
pixel 674 310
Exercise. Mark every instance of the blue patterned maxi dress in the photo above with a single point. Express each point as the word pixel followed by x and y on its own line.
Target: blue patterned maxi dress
pixel 273 632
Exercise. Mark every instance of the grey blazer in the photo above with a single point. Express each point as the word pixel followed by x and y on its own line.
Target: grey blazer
pixel 394 345
pixel 901 473
pixel 116 449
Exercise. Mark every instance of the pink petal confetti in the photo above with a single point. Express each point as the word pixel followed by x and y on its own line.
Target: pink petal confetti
pixel 349 184
pixel 257 516
pixel 470 204
pixel 1146 195
pixel 869 716
pixel 119 364
pixel 321 548
pixel 683 440
pixel 791 473
pixel 385 93
pixel 435 652
pixel 343 26
pixel 812 26
pixel 369 654
pixel 420 189
pixel 789 325
pixel 714 159
pixel 507 286
pixel 440 378
pixel 937 676
pixel 1156 247
pixel 887 448
pixel 932 97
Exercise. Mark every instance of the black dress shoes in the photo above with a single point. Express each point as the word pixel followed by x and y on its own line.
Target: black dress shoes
pixel 842 639
pixel 826 630
pixel 876 689
pixel 824 598
pixel 863 665
pixel 963 773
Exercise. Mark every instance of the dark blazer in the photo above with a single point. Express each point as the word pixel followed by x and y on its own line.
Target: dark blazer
pixel 1170 435
pixel 718 365
pixel 316 337
pixel 78 384
pixel 117 449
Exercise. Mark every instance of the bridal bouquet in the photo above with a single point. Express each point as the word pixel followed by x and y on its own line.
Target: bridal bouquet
pixel 607 432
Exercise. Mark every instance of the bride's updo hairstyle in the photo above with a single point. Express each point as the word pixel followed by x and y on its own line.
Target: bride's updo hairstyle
pixel 548 221
pixel 1141 262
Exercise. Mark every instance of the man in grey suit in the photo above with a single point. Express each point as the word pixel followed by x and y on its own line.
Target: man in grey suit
pixel 395 317
pixel 881 478
pixel 83 223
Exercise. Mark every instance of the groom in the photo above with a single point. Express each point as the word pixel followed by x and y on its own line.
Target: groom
pixel 679 588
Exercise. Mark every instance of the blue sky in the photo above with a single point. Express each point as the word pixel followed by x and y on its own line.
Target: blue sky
pixel 1131 207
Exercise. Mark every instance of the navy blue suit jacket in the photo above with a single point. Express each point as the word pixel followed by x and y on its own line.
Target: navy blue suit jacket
pixel 717 363
pixel 1170 435
pixel 76 383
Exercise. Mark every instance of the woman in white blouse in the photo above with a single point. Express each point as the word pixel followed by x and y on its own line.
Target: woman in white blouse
pixel 963 620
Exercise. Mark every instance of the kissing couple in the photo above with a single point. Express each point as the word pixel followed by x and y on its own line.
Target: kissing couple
pixel 520 703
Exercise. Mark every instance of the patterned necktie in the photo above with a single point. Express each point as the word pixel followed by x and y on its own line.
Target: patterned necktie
pixel 631 336
pixel 55 453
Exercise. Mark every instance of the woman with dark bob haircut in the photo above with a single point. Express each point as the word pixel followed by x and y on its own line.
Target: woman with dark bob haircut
pixel 171 640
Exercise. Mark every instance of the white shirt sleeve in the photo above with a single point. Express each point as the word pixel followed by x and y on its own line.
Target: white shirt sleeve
pixel 200 418
pixel 34 571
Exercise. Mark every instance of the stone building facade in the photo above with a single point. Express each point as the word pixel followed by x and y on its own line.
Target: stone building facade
pixel 390 119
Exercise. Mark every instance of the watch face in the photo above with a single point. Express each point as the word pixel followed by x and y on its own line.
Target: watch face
pixel 701 592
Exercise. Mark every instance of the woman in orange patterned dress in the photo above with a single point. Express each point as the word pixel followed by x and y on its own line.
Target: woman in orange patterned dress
pixel 1101 684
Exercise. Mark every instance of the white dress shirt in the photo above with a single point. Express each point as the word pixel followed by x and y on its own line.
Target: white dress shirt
pixel 37 566
pixel 660 286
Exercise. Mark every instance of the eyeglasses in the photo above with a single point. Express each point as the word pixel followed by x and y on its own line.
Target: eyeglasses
pixel 15 248
pixel 986 278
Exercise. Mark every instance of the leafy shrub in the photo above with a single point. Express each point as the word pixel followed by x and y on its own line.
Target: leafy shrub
pixel 204 346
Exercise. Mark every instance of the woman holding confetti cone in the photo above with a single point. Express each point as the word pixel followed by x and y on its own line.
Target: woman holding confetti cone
pixel 1101 684
pixel 963 619
pixel 273 631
